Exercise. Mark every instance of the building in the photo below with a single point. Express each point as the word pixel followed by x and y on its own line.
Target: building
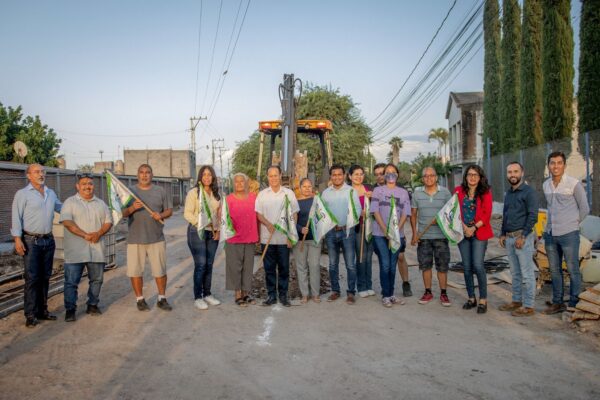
pixel 165 163
pixel 101 166
pixel 465 131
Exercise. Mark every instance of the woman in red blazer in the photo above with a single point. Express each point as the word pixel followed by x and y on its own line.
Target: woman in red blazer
pixel 475 199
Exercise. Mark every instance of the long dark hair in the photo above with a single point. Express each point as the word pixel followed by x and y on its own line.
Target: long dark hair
pixel 214 185
pixel 482 187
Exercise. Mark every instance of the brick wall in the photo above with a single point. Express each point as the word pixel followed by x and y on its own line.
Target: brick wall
pixel 12 178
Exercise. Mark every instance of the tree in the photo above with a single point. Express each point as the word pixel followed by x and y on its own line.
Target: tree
pixel 349 139
pixel 396 142
pixel 42 143
pixel 557 70
pixel 530 101
pixel 491 83
pixel 85 168
pixel 428 160
pixel 588 101
pixel 441 136
pixel 509 89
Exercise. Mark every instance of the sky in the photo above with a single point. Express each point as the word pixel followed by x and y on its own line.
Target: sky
pixel 129 74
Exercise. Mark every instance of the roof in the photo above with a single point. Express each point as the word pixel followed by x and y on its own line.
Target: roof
pixel 463 98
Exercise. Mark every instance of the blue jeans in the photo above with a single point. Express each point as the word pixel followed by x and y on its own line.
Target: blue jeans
pixel 387 264
pixel 364 268
pixel 522 270
pixel 39 256
pixel 277 269
pixel 73 272
pixel 472 253
pixel 203 253
pixel 568 246
pixel 337 241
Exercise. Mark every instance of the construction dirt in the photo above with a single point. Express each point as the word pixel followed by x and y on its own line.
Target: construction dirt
pixel 314 351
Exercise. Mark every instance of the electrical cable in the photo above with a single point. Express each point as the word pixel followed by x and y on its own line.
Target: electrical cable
pixel 198 59
pixel 212 57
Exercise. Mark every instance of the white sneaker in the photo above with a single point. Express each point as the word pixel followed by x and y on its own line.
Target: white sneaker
pixel 211 300
pixel 201 304
pixel 364 293
pixel 371 292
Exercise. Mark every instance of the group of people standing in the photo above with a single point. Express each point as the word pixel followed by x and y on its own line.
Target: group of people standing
pixel 254 219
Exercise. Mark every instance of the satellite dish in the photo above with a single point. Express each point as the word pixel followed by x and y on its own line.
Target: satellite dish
pixel 20 149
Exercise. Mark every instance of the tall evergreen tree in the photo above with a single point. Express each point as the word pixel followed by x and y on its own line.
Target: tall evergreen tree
pixel 557 70
pixel 491 84
pixel 509 88
pixel 530 102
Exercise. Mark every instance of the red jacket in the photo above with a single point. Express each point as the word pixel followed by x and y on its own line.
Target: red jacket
pixel 483 213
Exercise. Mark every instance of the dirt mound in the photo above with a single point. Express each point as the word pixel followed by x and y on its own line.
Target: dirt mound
pixel 260 291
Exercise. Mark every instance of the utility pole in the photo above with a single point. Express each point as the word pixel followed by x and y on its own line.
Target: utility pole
pixel 221 151
pixel 216 144
pixel 101 152
pixel 194 121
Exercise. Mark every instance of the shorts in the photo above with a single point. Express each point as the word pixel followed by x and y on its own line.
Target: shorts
pixel 136 259
pixel 428 249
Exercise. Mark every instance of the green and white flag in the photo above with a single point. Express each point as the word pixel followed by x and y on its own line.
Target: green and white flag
pixel 449 221
pixel 321 219
pixel 393 228
pixel 226 226
pixel 204 213
pixel 118 196
pixel 368 220
pixel 353 217
pixel 285 222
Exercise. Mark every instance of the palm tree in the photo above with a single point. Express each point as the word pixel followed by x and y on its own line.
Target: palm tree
pixel 441 136
pixel 396 142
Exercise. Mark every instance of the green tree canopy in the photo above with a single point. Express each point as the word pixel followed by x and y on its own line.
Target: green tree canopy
pixel 491 79
pixel 42 142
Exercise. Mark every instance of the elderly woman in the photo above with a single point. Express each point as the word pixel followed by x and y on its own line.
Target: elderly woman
pixel 239 252
pixel 307 253
pixel 203 243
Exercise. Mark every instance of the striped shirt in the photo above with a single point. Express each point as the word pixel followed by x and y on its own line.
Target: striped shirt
pixel 427 207
pixel 567 205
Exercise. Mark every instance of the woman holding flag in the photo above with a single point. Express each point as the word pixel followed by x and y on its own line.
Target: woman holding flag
pixel 202 208
pixel 363 243
pixel 390 205
pixel 475 199
pixel 307 253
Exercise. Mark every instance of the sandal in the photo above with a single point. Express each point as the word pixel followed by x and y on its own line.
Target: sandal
pixel 317 299
pixel 304 300
pixel 249 300
pixel 241 302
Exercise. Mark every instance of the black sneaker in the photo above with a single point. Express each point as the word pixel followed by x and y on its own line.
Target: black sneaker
pixel 70 316
pixel 93 310
pixel 142 305
pixel 284 301
pixel 31 322
pixel 406 292
pixel 269 301
pixel 164 305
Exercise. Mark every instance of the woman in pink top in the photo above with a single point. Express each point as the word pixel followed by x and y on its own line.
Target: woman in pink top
pixel 239 252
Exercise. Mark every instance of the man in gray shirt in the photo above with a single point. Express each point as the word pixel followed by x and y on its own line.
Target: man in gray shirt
pixel 567 207
pixel 146 238
pixel 426 202
pixel 86 219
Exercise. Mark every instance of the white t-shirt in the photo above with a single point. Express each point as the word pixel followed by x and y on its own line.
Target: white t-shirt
pixel 269 204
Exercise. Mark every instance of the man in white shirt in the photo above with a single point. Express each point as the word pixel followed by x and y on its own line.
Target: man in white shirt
pixel 269 203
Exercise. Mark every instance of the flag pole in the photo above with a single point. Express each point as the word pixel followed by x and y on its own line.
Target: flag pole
pixel 362 238
pixel 304 235
pixel 137 198
pixel 425 230
pixel 266 247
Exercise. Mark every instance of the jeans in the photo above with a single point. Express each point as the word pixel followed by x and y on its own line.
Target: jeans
pixel 522 270
pixel 73 272
pixel 364 268
pixel 277 269
pixel 387 264
pixel 568 246
pixel 39 255
pixel 472 253
pixel 336 241
pixel 203 252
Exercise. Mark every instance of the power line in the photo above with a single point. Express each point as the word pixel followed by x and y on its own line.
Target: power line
pixel 212 57
pixel 118 135
pixel 198 58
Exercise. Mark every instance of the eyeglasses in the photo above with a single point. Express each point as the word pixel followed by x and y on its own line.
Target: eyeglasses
pixel 378 174
pixel 473 175
pixel 429 176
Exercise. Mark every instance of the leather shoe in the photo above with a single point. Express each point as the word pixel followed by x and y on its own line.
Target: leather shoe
pixel 269 301
pixel 284 301
pixel 70 316
pixel 30 322
pixel 93 310
pixel 554 309
pixel 46 317
pixel 350 299
pixel 333 296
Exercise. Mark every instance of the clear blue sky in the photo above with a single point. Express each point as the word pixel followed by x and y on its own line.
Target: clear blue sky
pixel 115 68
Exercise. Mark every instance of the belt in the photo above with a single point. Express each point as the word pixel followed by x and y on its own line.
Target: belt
pixel 38 235
pixel 515 234
pixel 340 228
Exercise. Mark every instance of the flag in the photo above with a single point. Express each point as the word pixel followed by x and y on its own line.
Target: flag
pixel 321 219
pixel 285 222
pixel 368 220
pixel 204 213
pixel 393 228
pixel 226 226
pixel 449 221
pixel 353 217
pixel 118 196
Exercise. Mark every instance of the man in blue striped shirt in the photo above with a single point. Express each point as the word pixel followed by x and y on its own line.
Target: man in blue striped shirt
pixel 32 214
